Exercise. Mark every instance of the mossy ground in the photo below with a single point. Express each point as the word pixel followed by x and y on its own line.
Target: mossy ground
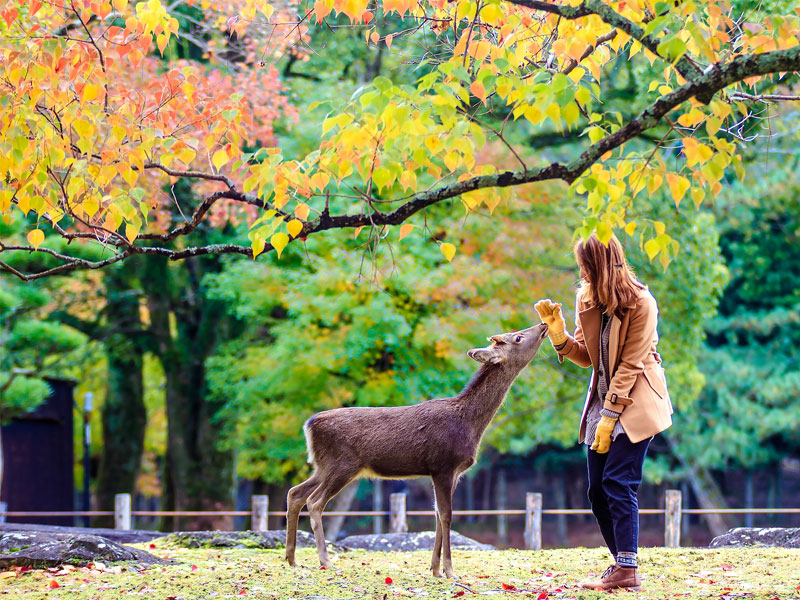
pixel 757 573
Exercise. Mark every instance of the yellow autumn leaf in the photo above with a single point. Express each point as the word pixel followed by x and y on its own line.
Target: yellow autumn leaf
pixel 279 241
pixel 678 185
pixel 219 159
pixel 448 250
pixel 36 237
pixel 294 227
pixel 90 92
pixel 478 91
pixel 258 245
pixel 405 229
pixel 301 212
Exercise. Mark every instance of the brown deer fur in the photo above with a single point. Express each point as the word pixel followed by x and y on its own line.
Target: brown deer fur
pixel 438 438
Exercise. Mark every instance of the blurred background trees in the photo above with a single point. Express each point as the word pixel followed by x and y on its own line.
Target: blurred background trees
pixel 204 370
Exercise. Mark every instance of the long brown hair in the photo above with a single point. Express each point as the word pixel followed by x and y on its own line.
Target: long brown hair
pixel 610 282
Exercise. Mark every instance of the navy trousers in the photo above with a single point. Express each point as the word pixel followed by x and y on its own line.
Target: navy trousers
pixel 614 480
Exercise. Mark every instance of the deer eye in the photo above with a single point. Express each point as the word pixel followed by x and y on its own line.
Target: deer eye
pixel 518 339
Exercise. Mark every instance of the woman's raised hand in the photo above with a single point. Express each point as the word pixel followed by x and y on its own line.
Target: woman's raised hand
pixel 550 313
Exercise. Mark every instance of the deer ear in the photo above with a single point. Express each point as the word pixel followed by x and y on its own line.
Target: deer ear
pixel 485 355
pixel 478 354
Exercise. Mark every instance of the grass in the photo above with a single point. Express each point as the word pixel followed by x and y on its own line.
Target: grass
pixel 691 573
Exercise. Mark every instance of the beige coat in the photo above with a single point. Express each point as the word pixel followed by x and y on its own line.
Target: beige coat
pixel 637 386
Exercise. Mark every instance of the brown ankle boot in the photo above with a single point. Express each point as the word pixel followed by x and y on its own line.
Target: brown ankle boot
pixel 615 577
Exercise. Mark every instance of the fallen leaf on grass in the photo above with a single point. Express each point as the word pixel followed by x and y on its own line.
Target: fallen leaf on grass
pixel 194 567
pixel 509 588
pixel 243 592
pixel 388 580
pixel 53 584
pixel 459 593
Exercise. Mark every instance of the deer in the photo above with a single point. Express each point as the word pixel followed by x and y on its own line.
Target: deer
pixel 436 438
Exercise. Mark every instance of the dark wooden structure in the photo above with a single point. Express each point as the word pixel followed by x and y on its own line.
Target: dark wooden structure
pixel 39 458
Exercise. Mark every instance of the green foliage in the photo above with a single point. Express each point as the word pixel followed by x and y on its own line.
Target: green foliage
pixel 30 346
pixel 748 414
pixel 319 336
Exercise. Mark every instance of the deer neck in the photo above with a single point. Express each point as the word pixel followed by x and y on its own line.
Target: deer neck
pixel 483 395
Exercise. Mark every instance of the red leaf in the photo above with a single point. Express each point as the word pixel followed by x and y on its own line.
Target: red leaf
pixel 726 567
pixel 54 584
pixel 458 593
pixel 542 596
pixel 194 567
pixel 482 576
pixel 509 587
pixel 243 593
pixel 366 16
pixel 388 580
pixel 152 546
pixel 171 597
pixel 322 568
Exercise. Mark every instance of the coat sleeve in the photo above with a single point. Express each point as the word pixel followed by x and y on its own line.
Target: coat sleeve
pixel 575 346
pixel 638 343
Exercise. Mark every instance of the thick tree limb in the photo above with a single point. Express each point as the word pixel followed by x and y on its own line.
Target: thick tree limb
pixel 715 79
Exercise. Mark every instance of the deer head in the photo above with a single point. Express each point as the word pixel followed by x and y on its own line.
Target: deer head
pixel 516 348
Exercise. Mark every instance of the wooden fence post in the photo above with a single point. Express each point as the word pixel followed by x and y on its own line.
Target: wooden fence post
pixel 377 504
pixel 533 521
pixel 122 511
pixel 397 514
pixel 672 519
pixel 259 507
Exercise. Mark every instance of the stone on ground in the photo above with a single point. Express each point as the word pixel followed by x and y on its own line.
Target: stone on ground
pixel 780 537
pixel 240 539
pixel 42 549
pixel 402 542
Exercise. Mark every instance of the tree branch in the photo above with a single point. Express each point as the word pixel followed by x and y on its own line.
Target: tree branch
pixel 611 17
pixel 715 79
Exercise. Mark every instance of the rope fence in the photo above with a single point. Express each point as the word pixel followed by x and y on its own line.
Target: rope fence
pixel 533 512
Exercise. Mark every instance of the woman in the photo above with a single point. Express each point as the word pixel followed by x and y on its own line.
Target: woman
pixel 627 403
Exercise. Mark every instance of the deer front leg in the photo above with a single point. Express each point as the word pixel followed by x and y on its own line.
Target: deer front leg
pixel 443 488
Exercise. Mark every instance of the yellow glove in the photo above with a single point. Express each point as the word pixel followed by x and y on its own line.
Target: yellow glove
pixel 550 314
pixel 602 435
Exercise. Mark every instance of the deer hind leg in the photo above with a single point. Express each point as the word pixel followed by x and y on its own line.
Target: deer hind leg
pixel 327 489
pixel 437 544
pixel 443 486
pixel 295 500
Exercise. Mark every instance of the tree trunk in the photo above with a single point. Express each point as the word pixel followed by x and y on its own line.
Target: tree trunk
pixel 561 504
pixel 186 328
pixel 706 491
pixel 124 416
pixel 342 502
pixel 748 496
pixel 1 462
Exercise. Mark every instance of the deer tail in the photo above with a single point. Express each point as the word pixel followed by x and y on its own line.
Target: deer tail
pixel 309 444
